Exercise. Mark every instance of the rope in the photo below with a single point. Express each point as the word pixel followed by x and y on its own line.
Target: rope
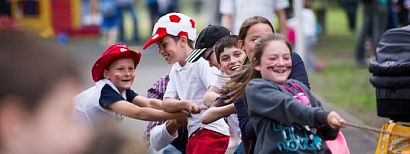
pixel 407 136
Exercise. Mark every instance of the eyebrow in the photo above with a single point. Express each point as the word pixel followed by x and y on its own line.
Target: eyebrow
pixel 278 54
pixel 238 50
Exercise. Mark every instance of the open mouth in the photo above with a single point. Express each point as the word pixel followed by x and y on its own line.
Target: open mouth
pixel 125 80
pixel 234 68
pixel 277 70
pixel 166 56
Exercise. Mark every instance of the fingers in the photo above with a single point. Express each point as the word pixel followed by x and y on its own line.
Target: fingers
pixel 192 107
pixel 195 109
pixel 181 121
pixel 186 113
pixel 335 120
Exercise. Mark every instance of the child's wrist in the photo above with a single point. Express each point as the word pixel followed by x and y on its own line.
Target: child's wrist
pixel 171 126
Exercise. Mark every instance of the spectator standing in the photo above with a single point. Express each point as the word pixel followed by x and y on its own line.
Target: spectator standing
pixel 235 12
pixel 374 23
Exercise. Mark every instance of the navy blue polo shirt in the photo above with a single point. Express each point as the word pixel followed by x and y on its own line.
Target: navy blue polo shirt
pixel 110 96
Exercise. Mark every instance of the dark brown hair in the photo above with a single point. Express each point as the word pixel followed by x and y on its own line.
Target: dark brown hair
pixel 176 38
pixel 228 41
pixel 248 23
pixel 236 86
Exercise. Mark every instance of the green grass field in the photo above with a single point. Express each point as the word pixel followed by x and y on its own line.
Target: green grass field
pixel 343 83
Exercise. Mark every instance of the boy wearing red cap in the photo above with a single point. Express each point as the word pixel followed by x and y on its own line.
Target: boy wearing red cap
pixel 174 34
pixel 112 97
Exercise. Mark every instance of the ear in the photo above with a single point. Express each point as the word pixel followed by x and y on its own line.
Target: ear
pixel 240 44
pixel 258 68
pixel 184 41
pixel 106 74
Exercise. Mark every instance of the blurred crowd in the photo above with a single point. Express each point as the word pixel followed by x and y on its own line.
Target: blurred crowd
pixel 119 19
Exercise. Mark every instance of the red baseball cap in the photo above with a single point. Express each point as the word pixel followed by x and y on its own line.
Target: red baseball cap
pixel 176 24
pixel 111 54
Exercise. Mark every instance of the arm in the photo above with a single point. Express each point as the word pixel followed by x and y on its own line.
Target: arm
pixel 247 130
pixel 112 100
pixel 298 70
pixel 143 113
pixel 279 7
pixel 227 21
pixel 215 113
pixel 327 132
pixel 211 95
pixel 282 21
pixel 266 100
pixel 147 102
pixel 164 134
pixel 226 8
pixel 173 105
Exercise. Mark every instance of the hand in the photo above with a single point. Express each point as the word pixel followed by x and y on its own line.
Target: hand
pixel 335 120
pixel 192 107
pixel 180 122
pixel 173 124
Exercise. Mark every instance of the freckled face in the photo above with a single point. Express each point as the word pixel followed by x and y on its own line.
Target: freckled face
pixel 121 73
pixel 276 62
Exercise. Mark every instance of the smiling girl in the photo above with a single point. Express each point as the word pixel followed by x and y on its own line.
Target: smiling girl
pixel 283 122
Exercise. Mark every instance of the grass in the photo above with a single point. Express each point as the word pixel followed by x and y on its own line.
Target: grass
pixel 343 83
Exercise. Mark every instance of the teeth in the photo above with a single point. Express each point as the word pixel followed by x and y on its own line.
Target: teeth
pixel 279 71
pixel 234 68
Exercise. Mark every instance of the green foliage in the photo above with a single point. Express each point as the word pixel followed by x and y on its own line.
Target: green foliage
pixel 324 4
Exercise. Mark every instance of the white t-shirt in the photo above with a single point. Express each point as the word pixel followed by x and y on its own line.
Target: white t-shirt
pixel 190 82
pixel 160 137
pixel 87 109
pixel 308 21
pixel 233 123
pixel 244 9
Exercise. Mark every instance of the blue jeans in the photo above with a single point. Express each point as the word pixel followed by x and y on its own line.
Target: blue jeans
pixel 169 149
pixel 375 22
pixel 310 42
pixel 239 150
pixel 121 10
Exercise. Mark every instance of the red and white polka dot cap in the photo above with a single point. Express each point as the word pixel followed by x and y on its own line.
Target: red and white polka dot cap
pixel 176 24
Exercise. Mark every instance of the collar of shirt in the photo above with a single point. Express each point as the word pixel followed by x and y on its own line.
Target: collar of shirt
pixel 106 81
pixel 178 66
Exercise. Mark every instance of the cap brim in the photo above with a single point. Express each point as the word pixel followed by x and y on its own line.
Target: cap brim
pixel 195 55
pixel 154 38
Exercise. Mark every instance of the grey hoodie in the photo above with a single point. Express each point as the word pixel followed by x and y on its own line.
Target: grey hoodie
pixel 283 125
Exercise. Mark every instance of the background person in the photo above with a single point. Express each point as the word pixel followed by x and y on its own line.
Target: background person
pixel 38 82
